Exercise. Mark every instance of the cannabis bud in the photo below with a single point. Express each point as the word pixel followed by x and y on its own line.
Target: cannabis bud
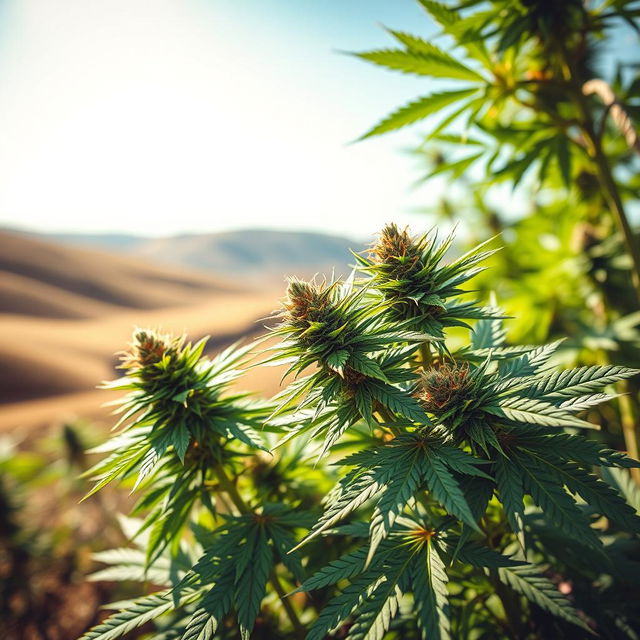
pixel 446 388
pixel 397 251
pixel 419 290
pixel 319 320
pixel 342 334
pixel 306 302
pixel 148 348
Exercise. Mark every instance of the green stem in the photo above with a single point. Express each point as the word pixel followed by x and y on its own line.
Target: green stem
pixel 386 418
pixel 615 203
pixel 611 191
pixel 230 489
pixel 225 504
pixel 627 418
pixel 604 170
pixel 286 603
pixel 629 429
pixel 386 414
pixel 426 357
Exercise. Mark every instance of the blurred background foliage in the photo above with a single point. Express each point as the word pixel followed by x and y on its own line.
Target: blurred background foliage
pixel 47 538
pixel 530 117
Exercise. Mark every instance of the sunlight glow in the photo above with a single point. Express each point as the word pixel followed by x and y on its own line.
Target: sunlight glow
pixel 161 116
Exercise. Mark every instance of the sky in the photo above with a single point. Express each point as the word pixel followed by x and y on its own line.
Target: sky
pixel 168 116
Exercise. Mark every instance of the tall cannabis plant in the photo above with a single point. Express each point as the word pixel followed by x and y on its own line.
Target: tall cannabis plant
pixel 466 501
pixel 541 97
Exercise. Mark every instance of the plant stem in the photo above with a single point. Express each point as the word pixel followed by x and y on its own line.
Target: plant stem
pixel 604 170
pixel 385 418
pixel 230 489
pixel 627 419
pixel 629 431
pixel 611 191
pixel 286 603
pixel 225 504
pixel 425 355
pixel 615 204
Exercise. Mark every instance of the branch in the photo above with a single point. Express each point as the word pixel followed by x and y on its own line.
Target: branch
pixel 619 116
pixel 230 489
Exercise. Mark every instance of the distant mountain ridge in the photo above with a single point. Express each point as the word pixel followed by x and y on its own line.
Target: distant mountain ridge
pixel 251 253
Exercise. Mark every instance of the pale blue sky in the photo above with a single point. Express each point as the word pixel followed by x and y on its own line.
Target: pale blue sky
pixel 164 116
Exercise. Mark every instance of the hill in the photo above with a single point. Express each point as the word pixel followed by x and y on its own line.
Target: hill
pixel 253 253
pixel 39 278
pixel 65 312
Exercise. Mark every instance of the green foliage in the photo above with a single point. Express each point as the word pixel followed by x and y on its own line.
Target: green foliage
pixel 417 110
pixel 522 60
pixel 458 465
pixel 552 118
pixel 236 565
pixel 177 428
pixel 133 616
pixel 426 473
pixel 540 591
pixel 355 349
pixel 546 113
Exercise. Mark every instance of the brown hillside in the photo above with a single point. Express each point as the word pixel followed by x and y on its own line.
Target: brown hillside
pixel 37 278
pixel 65 312
pixel 28 297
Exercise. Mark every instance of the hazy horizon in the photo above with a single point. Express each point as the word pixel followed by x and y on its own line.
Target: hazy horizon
pixel 22 229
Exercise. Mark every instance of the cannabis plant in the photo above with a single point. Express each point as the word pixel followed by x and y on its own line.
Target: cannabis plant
pixel 528 95
pixel 420 477
pixel 540 98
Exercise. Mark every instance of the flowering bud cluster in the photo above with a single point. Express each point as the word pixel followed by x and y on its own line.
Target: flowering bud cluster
pixel 445 388
pixel 407 273
pixel 309 312
pixel 457 395
pixel 396 253
pixel 149 348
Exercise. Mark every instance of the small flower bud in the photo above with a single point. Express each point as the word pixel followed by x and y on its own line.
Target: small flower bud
pixel 445 387
pixel 306 302
pixel 396 248
pixel 148 348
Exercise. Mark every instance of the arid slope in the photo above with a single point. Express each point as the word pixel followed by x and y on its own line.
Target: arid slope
pixel 65 312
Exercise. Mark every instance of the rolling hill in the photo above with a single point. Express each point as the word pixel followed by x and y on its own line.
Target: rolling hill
pixel 45 279
pixel 65 312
